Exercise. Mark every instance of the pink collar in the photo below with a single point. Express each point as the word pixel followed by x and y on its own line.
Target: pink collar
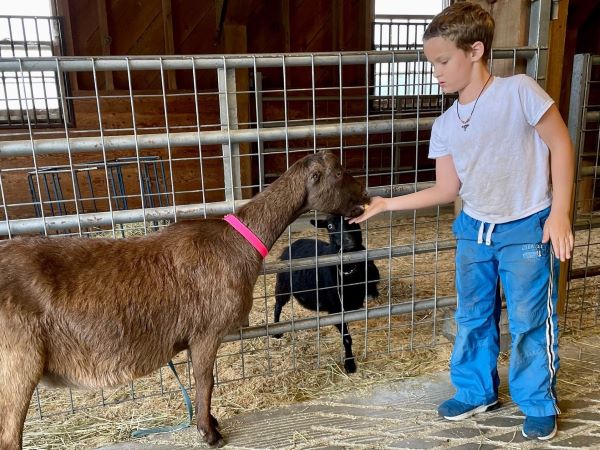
pixel 247 233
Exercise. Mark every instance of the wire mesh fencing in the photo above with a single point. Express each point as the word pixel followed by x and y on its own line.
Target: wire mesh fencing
pixel 582 306
pixel 145 154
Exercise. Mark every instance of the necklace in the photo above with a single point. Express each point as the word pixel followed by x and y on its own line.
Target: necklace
pixel 465 123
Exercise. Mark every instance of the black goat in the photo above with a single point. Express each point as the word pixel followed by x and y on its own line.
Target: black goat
pixel 348 281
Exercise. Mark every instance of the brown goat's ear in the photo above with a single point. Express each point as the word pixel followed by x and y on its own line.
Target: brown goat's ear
pixel 312 159
pixel 314 176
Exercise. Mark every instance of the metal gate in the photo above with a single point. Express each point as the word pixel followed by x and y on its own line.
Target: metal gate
pixel 582 308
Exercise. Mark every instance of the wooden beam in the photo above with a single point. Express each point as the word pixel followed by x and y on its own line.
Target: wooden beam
pixel 512 30
pixel 336 25
pixel 235 40
pixel 167 16
pixel 221 15
pixel 365 25
pixel 556 54
pixel 61 8
pixel 285 20
pixel 105 41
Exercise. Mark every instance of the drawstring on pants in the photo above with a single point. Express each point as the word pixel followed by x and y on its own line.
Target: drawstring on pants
pixel 488 235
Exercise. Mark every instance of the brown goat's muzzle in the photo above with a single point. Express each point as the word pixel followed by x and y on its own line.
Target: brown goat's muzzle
pixel 357 209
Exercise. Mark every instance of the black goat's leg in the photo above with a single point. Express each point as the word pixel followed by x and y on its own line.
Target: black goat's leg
pixel 282 296
pixel 204 352
pixel 349 361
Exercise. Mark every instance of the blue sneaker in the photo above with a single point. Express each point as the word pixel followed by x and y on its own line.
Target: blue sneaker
pixel 542 428
pixel 454 410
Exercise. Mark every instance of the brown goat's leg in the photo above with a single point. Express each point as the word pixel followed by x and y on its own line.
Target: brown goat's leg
pixel 203 353
pixel 21 368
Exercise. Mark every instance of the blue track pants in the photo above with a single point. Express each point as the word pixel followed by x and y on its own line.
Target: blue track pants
pixel 512 254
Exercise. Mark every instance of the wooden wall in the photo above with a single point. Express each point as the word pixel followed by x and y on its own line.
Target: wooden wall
pixel 189 27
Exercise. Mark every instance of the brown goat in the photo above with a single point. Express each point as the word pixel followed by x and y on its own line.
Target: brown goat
pixel 100 312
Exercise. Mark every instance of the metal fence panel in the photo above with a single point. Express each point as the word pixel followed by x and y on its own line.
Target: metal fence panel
pixel 583 304
pixel 155 165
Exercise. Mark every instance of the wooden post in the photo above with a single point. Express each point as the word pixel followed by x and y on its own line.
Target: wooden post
pixel 512 29
pixel 61 8
pixel 235 41
pixel 167 17
pixel 105 41
pixel 285 20
pixel 558 31
pixel 337 25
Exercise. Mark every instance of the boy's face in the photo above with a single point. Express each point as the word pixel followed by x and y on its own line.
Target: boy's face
pixel 451 65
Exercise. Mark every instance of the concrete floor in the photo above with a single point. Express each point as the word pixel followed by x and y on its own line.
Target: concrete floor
pixel 403 415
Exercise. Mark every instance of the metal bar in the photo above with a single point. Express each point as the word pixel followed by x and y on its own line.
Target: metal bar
pixel 584 272
pixel 136 143
pixel 197 115
pixel 171 172
pixel 76 195
pixel 332 319
pixel 146 141
pixel 230 149
pixel 108 173
pixel 400 17
pixel 26 48
pixel 33 155
pixel 3 199
pixel 539 26
pixel 258 103
pixel 351 257
pixel 192 211
pixel 80 64
pixel 581 73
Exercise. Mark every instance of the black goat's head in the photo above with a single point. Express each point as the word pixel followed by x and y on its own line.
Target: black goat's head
pixel 342 235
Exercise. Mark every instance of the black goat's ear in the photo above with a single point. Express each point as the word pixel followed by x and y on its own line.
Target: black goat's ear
pixel 319 223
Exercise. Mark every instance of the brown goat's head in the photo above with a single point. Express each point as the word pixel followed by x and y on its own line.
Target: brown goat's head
pixel 330 188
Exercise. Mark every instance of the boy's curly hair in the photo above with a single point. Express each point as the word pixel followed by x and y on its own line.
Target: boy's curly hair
pixel 463 23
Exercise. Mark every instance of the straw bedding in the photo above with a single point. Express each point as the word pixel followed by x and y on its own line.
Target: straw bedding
pixel 266 372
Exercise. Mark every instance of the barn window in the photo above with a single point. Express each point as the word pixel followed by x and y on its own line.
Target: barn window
pixel 398 85
pixel 31 97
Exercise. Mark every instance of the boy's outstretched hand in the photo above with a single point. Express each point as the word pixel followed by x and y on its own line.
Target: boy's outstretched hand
pixel 557 230
pixel 377 205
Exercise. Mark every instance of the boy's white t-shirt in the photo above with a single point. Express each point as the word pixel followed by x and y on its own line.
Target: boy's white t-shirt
pixel 502 162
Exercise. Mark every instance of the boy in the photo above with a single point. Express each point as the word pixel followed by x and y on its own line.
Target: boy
pixel 496 147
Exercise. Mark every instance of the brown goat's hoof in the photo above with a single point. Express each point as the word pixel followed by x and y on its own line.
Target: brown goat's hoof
pixel 211 436
pixel 215 439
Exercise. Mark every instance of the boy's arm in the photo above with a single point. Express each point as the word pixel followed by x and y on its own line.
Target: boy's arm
pixel 445 190
pixel 557 229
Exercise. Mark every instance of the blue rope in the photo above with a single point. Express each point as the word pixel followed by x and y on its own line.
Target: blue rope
pixel 181 426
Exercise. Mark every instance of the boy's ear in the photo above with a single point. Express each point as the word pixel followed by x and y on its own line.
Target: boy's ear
pixel 477 50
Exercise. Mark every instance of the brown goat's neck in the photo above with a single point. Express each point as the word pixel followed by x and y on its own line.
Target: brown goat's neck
pixel 270 212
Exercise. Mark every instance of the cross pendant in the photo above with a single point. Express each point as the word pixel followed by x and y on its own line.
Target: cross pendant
pixel 464 126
